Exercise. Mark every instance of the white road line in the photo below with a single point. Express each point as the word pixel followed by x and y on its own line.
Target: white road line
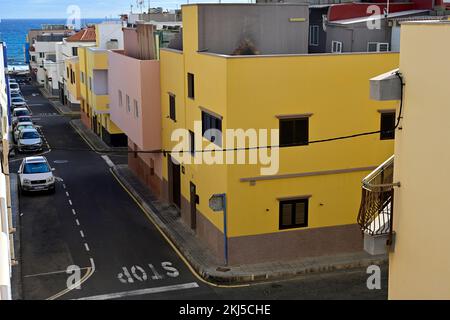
pixel 117 295
pixel 70 202
pixel 50 273
pixel 86 246
pixel 77 222
pixel 64 186
pixel 67 194
pixel 82 233
pixel 108 161
pixel 74 212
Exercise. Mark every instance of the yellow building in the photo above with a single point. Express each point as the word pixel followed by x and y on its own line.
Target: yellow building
pixel 94 84
pixel 419 262
pixel 71 79
pixel 303 202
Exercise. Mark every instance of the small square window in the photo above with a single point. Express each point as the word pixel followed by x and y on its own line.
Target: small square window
pixel 294 213
pixel 336 47
pixel 120 99
pixel 191 142
pixel 136 109
pixel 128 103
pixel 294 132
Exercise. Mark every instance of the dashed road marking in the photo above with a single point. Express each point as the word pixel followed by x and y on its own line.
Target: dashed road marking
pixel 67 194
pixel 74 212
pixel 82 233
pixel 70 202
pixel 108 161
pixel 86 246
pixel 77 222
pixel 64 186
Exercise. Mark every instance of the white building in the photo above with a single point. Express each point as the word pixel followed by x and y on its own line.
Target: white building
pixel 43 59
pixel 5 243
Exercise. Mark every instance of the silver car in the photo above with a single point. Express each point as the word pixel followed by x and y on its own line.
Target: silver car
pixel 21 126
pixel 29 141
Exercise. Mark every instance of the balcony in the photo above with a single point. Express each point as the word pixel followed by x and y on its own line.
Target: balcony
pixel 376 211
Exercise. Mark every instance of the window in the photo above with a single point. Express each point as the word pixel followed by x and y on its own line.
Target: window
pixel 212 128
pixel 136 109
pixel 336 46
pixel 82 76
pixel 377 47
pixel 120 99
pixel 294 213
pixel 191 142
pixel 74 51
pixel 294 132
pixel 68 74
pixel 313 35
pixel 191 89
pixel 128 103
pixel 41 55
pixel 387 126
pixel 90 83
pixel 33 58
pixel 172 113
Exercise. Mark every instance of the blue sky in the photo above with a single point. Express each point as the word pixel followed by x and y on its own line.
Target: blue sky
pixel 10 9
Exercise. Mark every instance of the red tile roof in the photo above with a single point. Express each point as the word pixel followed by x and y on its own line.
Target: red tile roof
pixel 85 35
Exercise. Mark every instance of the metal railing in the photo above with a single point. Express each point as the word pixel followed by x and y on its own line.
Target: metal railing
pixel 376 210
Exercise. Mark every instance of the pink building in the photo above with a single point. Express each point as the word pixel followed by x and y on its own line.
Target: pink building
pixel 134 90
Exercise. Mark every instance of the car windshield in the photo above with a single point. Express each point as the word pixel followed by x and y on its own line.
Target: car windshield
pixel 30 135
pixel 24 119
pixel 40 167
pixel 27 126
pixel 14 86
pixel 19 113
pixel 18 99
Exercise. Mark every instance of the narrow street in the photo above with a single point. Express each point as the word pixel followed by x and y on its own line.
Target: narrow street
pixel 92 223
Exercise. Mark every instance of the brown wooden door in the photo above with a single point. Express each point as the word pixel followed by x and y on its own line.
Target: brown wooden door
pixel 193 199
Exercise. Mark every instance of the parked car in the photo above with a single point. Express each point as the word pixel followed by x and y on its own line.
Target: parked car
pixel 20 120
pixel 19 112
pixel 18 102
pixel 19 127
pixel 12 80
pixel 16 95
pixel 14 88
pixel 29 140
pixel 35 174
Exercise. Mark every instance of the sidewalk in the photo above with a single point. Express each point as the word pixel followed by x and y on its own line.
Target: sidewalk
pixel 17 269
pixel 92 139
pixel 205 264
pixel 62 109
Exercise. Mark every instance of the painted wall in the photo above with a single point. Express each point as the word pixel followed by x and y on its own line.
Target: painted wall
pixel 268 27
pixel 140 80
pixel 73 89
pixel 418 268
pixel 241 90
pixel 355 37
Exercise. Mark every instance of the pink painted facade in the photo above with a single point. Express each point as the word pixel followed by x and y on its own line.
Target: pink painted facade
pixel 139 80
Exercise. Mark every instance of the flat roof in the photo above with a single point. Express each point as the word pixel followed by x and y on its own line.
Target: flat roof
pixel 377 17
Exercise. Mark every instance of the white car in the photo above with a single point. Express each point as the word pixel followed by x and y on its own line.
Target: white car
pixel 14 88
pixel 20 112
pixel 20 126
pixel 18 103
pixel 35 174
pixel 29 141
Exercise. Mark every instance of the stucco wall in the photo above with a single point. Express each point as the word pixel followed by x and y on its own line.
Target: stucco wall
pixel 223 27
pixel 419 266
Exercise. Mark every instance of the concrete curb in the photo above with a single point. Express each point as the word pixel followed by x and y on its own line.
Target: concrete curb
pixel 234 276
pixel 58 109
pixel 17 290
pixel 93 144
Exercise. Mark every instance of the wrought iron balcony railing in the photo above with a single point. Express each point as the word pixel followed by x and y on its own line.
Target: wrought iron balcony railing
pixel 376 211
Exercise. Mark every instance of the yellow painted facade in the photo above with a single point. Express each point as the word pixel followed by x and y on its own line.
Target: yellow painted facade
pixel 419 265
pixel 95 106
pixel 250 92
pixel 73 82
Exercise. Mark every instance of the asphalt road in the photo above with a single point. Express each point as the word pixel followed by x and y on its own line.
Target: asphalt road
pixel 93 224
